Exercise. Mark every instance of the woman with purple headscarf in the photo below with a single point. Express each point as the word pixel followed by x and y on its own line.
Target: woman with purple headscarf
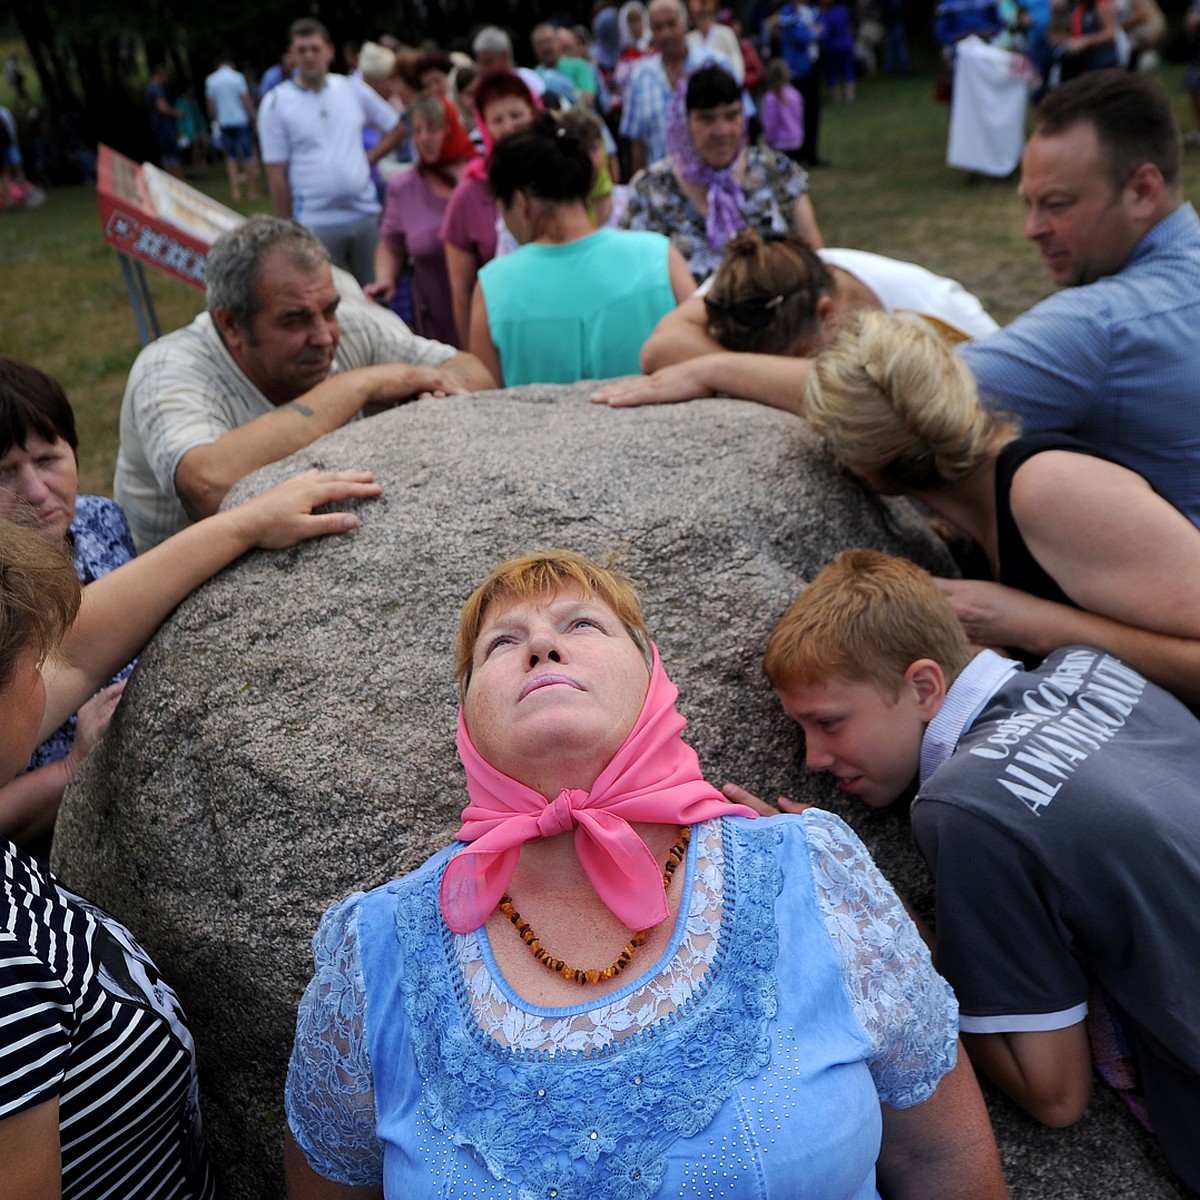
pixel 712 184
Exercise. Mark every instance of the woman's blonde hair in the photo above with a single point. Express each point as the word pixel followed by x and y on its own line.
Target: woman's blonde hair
pixel 891 399
pixel 780 267
pixel 39 596
pixel 545 573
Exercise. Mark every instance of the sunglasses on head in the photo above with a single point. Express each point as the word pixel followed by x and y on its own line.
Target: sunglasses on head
pixel 755 311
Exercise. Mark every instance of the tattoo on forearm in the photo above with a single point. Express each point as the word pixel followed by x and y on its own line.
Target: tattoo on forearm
pixel 302 409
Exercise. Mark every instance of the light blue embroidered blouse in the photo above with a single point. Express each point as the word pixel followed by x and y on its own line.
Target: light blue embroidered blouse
pixel 749 1061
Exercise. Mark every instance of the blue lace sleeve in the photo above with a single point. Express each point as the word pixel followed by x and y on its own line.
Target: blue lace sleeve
pixel 330 1096
pixel 100 542
pixel 905 1006
pixel 100 538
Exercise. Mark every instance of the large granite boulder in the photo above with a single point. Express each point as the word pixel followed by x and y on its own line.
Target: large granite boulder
pixel 288 736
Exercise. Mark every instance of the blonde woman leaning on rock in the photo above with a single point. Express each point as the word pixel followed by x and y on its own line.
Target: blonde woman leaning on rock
pixel 1081 549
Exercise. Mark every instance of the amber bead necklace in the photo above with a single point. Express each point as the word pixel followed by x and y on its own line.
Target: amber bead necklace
pixel 594 974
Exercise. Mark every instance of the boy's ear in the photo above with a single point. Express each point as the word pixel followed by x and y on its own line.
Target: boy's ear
pixel 928 683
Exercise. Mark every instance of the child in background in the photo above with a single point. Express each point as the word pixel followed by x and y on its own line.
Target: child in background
pixel 782 111
pixel 606 201
pixel 1059 811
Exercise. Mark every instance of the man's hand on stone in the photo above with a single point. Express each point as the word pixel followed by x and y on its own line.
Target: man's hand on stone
pixel 408 383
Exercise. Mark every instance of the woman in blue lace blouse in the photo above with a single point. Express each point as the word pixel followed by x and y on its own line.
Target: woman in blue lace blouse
pixel 38 487
pixel 617 984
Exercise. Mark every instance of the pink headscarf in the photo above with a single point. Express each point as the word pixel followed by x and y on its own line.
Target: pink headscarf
pixel 654 777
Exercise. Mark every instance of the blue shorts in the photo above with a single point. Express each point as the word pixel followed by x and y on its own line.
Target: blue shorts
pixel 238 142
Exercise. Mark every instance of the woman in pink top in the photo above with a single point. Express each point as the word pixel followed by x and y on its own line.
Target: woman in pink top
pixel 413 211
pixel 504 104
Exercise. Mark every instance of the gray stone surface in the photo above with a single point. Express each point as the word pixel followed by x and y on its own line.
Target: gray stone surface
pixel 289 735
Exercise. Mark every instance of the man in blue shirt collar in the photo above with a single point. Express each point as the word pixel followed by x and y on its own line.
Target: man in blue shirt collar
pixel 1100 171
pixel 1111 359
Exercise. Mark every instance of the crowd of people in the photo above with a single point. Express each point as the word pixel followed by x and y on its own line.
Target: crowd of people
pixel 734 965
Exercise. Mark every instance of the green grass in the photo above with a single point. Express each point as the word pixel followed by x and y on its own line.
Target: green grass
pixel 63 305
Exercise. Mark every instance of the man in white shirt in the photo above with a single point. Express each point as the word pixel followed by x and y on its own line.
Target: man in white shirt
pixel 311 131
pixel 229 104
pixel 709 34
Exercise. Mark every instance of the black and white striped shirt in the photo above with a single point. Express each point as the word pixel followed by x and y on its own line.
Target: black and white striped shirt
pixel 85 1017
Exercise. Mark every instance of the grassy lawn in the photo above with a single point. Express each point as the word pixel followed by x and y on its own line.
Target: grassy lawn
pixel 64 308
pixel 63 305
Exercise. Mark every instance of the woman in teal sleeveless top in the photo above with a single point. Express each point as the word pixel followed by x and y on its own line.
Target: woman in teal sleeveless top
pixel 574 302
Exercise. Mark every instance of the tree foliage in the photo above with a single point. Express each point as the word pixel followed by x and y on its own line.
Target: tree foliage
pixel 92 56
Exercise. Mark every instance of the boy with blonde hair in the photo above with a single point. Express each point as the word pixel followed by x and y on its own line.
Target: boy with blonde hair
pixel 1059 810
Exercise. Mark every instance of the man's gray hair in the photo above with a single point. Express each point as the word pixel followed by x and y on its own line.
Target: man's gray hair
pixel 234 264
pixel 680 5
pixel 491 39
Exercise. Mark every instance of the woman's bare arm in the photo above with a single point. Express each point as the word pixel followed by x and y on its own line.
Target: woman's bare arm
pixel 462 267
pixel 944 1148
pixel 30 1154
pixel 303 1183
pixel 482 345
pixel 804 222
pixel 768 379
pixel 390 258
pixel 1102 533
pixel 682 283
pixel 121 610
pixel 1121 552
pixel 680 335
pixel 29 804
